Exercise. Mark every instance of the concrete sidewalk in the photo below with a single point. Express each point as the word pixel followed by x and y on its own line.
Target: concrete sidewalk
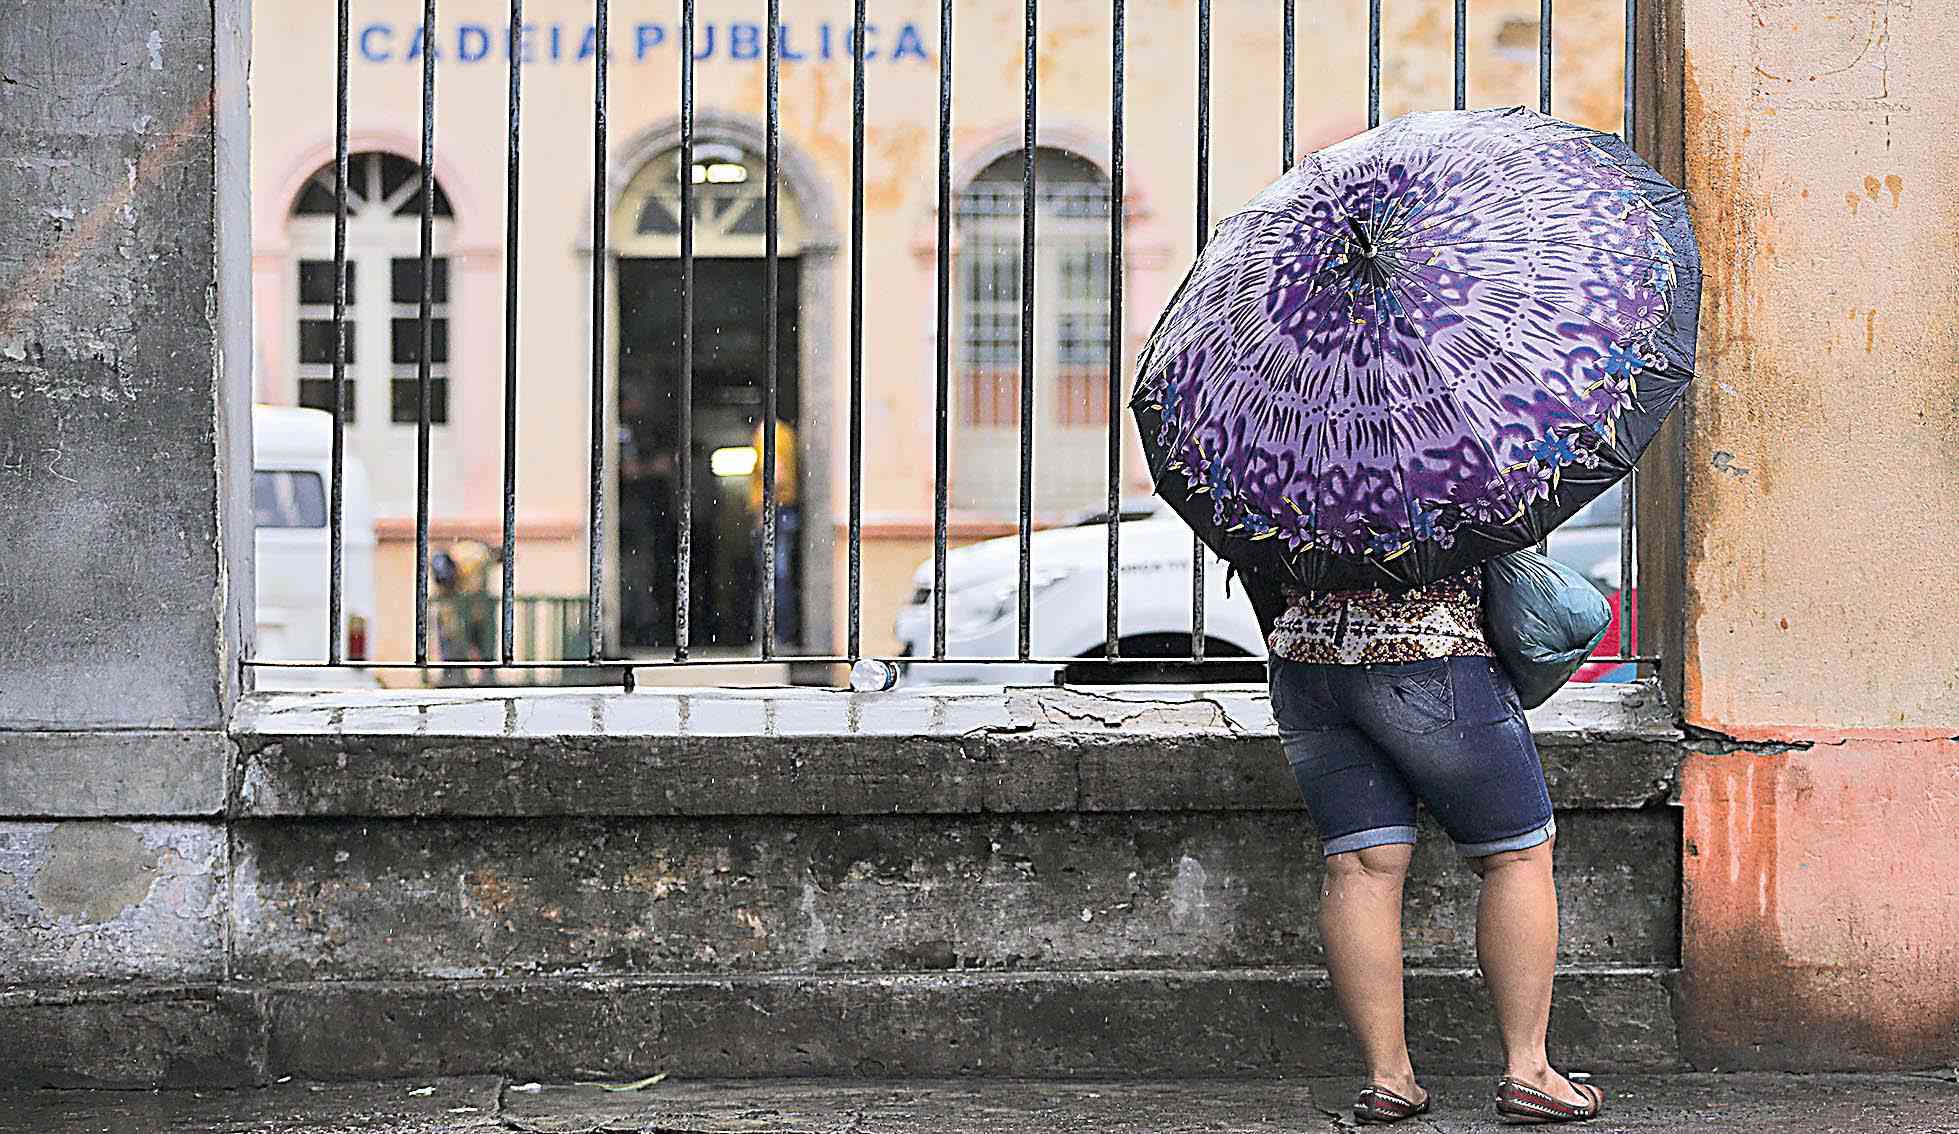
pixel 1741 1104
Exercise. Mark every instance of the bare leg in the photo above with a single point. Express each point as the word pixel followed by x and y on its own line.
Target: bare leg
pixel 1517 944
pixel 1360 922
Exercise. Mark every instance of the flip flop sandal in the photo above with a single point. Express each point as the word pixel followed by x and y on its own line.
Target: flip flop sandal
pixel 1520 1104
pixel 1381 1106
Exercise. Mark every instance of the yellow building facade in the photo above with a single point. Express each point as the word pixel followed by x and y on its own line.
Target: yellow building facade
pixel 638 300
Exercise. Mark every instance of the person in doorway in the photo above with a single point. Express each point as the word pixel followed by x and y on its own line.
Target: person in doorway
pixel 465 612
pixel 788 530
pixel 648 528
pixel 1383 701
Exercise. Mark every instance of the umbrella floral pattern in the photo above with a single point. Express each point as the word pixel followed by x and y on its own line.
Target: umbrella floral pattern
pixel 1423 347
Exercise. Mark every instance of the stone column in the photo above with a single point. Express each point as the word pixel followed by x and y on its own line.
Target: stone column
pixel 125 523
pixel 1821 914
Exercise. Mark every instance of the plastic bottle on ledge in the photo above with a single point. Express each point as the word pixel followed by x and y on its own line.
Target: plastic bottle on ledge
pixel 870 676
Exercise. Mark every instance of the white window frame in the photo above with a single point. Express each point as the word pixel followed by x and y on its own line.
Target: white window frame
pixel 376 237
pixel 1071 394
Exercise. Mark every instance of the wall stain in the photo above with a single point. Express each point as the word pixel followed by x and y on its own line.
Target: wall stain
pixel 1872 186
pixel 1725 462
pixel 901 150
pixel 95 871
pixel 1895 185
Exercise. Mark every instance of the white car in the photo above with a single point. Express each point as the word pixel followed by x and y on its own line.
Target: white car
pixel 1068 618
pixel 292 468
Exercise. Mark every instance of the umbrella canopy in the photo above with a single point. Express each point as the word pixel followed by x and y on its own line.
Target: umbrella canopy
pixel 1424 347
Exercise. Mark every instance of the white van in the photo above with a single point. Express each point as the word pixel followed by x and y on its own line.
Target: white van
pixel 292 469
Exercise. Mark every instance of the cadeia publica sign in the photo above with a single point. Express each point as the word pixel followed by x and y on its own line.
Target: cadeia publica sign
pixel 561 43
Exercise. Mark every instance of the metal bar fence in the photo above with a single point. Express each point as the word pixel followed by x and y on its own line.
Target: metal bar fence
pixel 1024 611
pixel 595 521
pixel 423 356
pixel 1288 76
pixel 336 567
pixel 854 599
pixel 1628 580
pixel 1373 63
pixel 942 389
pixel 683 605
pixel 507 628
pixel 1198 551
pixel 1462 54
pixel 771 323
pixel 586 627
pixel 1112 571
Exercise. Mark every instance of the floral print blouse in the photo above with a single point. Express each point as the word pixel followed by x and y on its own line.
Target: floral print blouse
pixel 1443 619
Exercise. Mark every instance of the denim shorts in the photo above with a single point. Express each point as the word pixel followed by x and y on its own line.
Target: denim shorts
pixel 1366 742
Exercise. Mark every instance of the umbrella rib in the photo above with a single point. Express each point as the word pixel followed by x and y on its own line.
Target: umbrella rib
pixel 1556 243
pixel 1320 177
pixel 1548 243
pixel 1491 164
pixel 1618 331
pixel 1238 352
pixel 1399 465
pixel 1470 424
pixel 1497 352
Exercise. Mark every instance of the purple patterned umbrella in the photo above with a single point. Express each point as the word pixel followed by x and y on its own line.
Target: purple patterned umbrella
pixel 1426 346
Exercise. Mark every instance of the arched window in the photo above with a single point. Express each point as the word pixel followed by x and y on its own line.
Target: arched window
pixel 730 214
pixel 384 294
pixel 1071 335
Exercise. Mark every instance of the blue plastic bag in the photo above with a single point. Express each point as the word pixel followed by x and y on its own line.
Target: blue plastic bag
pixel 1544 620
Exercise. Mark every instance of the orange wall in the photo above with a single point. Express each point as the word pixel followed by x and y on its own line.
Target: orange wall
pixel 1822 845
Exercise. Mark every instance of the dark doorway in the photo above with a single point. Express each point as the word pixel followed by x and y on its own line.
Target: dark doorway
pixel 729 379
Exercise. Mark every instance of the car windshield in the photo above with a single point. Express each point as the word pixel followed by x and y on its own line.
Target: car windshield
pixel 283 498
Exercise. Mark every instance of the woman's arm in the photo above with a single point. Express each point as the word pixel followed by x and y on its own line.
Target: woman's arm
pixel 1268 602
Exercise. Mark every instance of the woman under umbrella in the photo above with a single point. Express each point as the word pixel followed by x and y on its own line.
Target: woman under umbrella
pixel 1423 348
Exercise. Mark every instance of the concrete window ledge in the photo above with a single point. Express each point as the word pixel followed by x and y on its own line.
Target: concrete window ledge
pixel 820 752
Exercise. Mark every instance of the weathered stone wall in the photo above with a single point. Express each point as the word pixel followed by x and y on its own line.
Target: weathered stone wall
pixel 124 533
pixel 797 882
pixel 113 610
pixel 1822 535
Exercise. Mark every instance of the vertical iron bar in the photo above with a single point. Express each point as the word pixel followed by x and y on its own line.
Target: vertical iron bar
pixel 1197 550
pixel 1544 106
pixel 595 555
pixel 1113 594
pixel 422 362
pixel 1030 71
pixel 1462 54
pixel 770 306
pixel 1628 502
pixel 1544 56
pixel 684 552
pixel 1373 63
pixel 508 625
pixel 1632 60
pixel 942 420
pixel 1287 80
pixel 1628 606
pixel 339 458
pixel 856 614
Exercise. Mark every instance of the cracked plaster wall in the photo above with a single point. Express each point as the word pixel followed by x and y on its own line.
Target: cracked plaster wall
pixel 1820 852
